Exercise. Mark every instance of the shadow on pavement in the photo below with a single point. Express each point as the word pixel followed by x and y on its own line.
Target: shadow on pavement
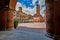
pixel 39 30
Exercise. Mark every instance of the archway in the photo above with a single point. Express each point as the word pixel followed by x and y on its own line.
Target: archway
pixel 52 20
pixel 6 14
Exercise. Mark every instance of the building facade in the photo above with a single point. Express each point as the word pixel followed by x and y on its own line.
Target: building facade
pixel 38 17
pixel 23 17
pixel 45 15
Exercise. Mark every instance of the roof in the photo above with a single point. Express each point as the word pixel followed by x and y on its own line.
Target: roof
pixel 37 15
pixel 40 16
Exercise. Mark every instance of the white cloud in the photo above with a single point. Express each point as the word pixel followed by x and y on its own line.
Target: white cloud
pixel 33 1
pixel 42 11
pixel 41 2
pixel 18 5
pixel 30 10
pixel 26 10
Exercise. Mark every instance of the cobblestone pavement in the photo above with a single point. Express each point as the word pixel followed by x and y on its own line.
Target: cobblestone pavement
pixel 22 35
pixel 33 27
pixel 31 32
pixel 39 30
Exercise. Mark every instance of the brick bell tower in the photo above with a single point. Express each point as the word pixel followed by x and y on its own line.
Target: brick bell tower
pixel 38 9
pixel 20 9
pixel 38 17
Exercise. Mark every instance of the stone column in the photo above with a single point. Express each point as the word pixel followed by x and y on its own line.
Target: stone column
pixel 50 17
pixel 3 19
pixel 10 14
pixel 57 18
pixel 7 14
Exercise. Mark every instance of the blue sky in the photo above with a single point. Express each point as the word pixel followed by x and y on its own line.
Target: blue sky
pixel 29 6
pixel 28 3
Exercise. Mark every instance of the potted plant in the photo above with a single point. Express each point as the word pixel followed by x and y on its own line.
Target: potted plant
pixel 15 23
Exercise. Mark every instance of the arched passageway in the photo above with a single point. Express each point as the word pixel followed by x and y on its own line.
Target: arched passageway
pixel 52 16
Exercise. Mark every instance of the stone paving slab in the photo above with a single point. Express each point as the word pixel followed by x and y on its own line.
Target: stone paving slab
pixel 22 35
pixel 39 30
pixel 33 25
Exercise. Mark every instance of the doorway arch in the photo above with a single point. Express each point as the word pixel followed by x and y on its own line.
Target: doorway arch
pixel 52 17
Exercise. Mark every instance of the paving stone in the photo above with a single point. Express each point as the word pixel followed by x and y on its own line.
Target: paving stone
pixel 22 35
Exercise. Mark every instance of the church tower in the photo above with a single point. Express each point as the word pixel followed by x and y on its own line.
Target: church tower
pixel 38 17
pixel 38 9
pixel 20 9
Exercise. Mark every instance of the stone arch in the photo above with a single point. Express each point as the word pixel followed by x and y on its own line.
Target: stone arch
pixel 6 14
pixel 52 20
